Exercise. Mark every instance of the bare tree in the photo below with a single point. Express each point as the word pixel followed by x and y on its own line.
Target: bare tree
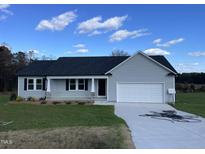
pixel 31 55
pixel 119 53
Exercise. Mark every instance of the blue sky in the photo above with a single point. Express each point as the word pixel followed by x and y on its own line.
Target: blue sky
pixel 176 31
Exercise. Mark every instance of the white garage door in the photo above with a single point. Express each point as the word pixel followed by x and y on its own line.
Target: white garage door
pixel 140 92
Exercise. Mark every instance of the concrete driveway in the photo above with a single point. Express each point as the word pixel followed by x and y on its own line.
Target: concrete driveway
pixel 157 133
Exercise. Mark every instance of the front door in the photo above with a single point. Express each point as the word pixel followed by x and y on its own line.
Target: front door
pixel 101 87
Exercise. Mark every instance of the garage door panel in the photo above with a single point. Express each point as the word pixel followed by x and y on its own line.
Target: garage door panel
pixel 140 92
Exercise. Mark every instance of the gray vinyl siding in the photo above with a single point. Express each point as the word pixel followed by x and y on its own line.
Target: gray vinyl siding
pixel 58 91
pixel 140 69
pixel 28 93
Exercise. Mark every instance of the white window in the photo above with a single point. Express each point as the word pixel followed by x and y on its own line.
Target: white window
pixel 39 84
pixel 81 84
pixel 30 84
pixel 72 84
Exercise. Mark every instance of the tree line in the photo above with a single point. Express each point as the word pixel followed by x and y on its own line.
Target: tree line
pixel 190 82
pixel 191 78
pixel 10 63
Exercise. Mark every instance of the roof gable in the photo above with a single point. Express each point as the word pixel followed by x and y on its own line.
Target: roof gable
pixel 158 59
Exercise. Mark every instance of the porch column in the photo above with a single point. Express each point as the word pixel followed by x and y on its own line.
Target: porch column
pixel 48 85
pixel 93 85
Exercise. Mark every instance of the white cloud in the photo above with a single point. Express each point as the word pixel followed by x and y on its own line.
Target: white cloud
pixel 4 6
pixel 157 41
pixel 5 13
pixel 189 67
pixel 96 32
pixel 37 53
pixel 68 52
pixel 168 43
pixel 82 50
pixel 156 51
pixel 124 34
pixel 79 46
pixel 197 54
pixel 196 63
pixel 57 23
pixel 96 25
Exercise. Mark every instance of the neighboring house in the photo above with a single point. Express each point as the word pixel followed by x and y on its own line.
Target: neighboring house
pixel 139 78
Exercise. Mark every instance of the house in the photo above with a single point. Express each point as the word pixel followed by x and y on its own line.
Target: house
pixel 138 78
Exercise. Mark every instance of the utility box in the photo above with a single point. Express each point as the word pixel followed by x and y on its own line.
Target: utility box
pixel 171 91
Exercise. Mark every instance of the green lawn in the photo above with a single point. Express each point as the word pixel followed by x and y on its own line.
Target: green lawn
pixel 3 99
pixel 191 102
pixel 28 116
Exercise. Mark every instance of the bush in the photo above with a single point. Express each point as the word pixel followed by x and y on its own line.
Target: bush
pixel 56 102
pixel 81 103
pixel 202 88
pixel 193 88
pixel 31 99
pixel 19 99
pixel 43 102
pixel 42 99
pixel 68 102
pixel 13 97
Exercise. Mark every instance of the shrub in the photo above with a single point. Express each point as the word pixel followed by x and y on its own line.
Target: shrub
pixel 68 102
pixel 19 99
pixel 31 99
pixel 42 98
pixel 13 97
pixel 56 102
pixel 43 102
pixel 81 103
pixel 202 88
pixel 193 88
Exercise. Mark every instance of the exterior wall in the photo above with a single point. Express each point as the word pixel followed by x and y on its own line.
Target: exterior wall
pixel 59 92
pixel 140 69
pixel 29 93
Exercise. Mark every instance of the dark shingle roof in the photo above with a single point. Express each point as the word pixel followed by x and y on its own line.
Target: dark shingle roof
pixel 80 66
pixel 162 60
pixel 84 65
pixel 36 68
pixel 71 66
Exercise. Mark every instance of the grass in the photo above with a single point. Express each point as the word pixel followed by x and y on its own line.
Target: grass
pixel 70 137
pixel 191 102
pixel 28 116
pixel 3 99
pixel 62 126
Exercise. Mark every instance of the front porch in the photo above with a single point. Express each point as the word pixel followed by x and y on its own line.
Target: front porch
pixel 76 88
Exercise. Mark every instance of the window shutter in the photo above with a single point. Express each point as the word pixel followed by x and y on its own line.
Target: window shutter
pixel 25 83
pixel 44 83
pixel 67 84
pixel 86 84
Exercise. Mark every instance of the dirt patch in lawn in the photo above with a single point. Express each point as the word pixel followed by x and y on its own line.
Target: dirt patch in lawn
pixel 68 138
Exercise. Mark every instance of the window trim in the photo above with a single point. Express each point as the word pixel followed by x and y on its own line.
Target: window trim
pixel 28 84
pixel 81 84
pixel 34 84
pixel 71 84
pixel 41 83
pixel 76 85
